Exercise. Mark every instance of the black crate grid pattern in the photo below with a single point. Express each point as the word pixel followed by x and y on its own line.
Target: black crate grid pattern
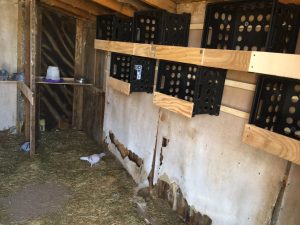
pixel 277 106
pixel 121 66
pixel 142 75
pixel 111 27
pixel 251 26
pixel 177 80
pixel 210 91
pixel 200 85
pixel 160 27
pixel 147 27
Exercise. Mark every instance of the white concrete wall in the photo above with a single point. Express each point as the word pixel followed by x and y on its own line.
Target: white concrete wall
pixel 8 105
pixel 8 61
pixel 8 34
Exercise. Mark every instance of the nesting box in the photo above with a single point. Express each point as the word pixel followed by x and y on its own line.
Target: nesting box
pixel 114 28
pixel 161 27
pixel 199 88
pixel 266 25
pixel 134 74
pixel 276 106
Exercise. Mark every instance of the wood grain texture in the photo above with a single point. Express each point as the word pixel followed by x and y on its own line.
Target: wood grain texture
pixel 226 59
pixel 173 104
pixel 26 92
pixel 235 112
pixel 283 65
pixel 116 6
pixel 119 85
pixel 240 85
pixel 168 5
pixel 276 144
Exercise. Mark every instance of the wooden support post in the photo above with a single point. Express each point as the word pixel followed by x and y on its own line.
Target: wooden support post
pixel 78 71
pixel 33 51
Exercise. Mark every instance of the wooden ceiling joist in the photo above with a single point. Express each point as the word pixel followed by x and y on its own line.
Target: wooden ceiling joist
pixel 68 9
pixel 88 7
pixel 119 7
pixel 165 4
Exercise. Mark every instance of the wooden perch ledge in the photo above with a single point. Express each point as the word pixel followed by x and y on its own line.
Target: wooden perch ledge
pixel 276 144
pixel 26 92
pixel 277 64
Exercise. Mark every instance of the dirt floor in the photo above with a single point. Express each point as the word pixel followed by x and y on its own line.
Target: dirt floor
pixel 55 187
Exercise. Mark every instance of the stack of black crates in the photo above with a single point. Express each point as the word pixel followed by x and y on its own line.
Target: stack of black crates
pixel 155 27
pixel 265 25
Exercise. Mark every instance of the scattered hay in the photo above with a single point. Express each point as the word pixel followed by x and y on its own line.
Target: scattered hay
pixel 103 194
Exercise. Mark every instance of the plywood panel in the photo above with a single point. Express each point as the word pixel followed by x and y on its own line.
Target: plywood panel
pixel 119 85
pixel 276 144
pixel 176 105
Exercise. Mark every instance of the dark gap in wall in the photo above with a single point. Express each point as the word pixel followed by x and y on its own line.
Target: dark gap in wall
pixel 190 216
pixel 125 152
pixel 58 34
pixel 278 204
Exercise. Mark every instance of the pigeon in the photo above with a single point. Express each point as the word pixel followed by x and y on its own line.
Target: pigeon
pixel 93 159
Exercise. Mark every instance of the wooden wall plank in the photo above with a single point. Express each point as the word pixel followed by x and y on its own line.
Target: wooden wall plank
pixel 276 144
pixel 284 65
pixel 173 104
pixel 165 4
pixel 26 91
pixel 119 85
pixel 116 6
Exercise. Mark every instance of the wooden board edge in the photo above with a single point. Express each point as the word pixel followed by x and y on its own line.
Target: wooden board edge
pixel 26 91
pixel 173 104
pixel 118 85
pixel 276 144
pixel 235 112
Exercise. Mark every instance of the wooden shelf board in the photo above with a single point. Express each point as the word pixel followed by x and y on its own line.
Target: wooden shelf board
pixel 8 81
pixel 173 104
pixel 67 81
pixel 276 144
pixel 119 85
pixel 277 64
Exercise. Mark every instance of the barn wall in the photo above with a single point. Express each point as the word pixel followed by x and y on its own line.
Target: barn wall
pixel 8 34
pixel 204 159
pixel 8 61
pixel 8 105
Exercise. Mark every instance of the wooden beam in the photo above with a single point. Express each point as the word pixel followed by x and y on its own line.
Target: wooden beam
pixel 69 9
pixel 235 112
pixel 118 85
pixel 284 65
pixel 276 144
pixel 33 70
pixel 26 92
pixel 165 4
pixel 297 2
pixel 277 64
pixel 116 6
pixel 196 26
pixel 173 104
pixel 88 7
pixel 240 85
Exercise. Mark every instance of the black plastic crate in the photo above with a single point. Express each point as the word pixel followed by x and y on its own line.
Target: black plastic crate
pixel 265 25
pixel 137 71
pixel 161 27
pixel 276 106
pixel 114 28
pixel 200 85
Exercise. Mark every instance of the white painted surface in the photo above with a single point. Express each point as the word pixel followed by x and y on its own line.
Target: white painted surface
pixel 133 120
pixel 8 105
pixel 219 176
pixel 289 213
pixel 8 35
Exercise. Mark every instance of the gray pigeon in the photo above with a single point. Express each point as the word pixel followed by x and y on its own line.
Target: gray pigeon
pixel 93 159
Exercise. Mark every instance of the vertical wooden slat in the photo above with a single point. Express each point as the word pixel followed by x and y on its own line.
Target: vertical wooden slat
pixel 33 41
pixel 78 71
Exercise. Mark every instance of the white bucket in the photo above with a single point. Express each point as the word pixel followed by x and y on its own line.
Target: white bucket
pixel 53 73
